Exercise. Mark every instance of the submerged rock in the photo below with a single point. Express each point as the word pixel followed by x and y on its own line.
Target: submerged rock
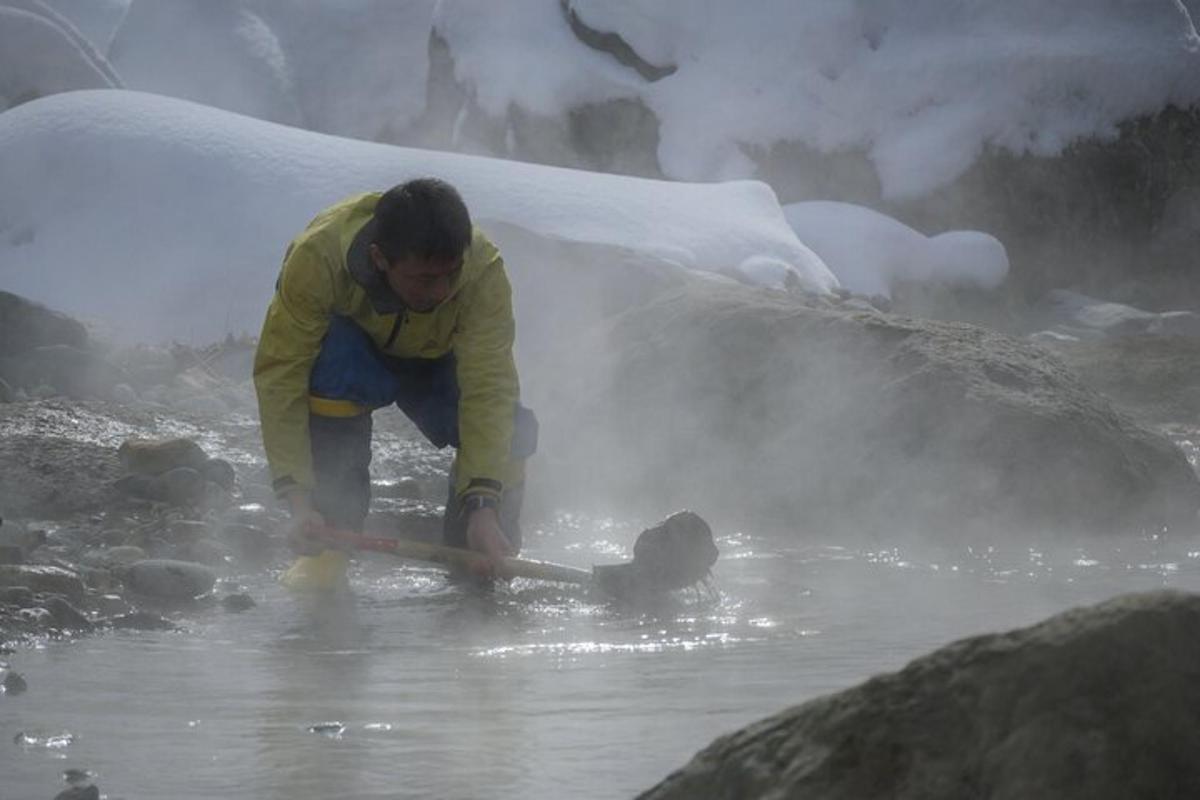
pixel 67 616
pixel 1099 703
pixel 13 683
pixel 237 602
pixel 169 579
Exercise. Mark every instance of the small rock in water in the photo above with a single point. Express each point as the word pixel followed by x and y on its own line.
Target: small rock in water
pixel 156 456
pixel 14 684
pixel 90 792
pixel 169 579
pixel 333 730
pixel 220 472
pixel 67 616
pixel 142 621
pixel 237 602
pixel 183 486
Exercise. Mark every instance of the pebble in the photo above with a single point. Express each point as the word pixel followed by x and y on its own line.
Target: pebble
pixel 14 684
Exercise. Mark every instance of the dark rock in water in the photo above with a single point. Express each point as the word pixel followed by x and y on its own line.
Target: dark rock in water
pixel 43 579
pixel 25 325
pixel 141 621
pixel 183 486
pixel 156 456
pixel 169 579
pixel 19 596
pixel 237 602
pixel 13 683
pixel 859 422
pixel 220 472
pixel 90 792
pixel 67 616
pixel 675 554
pixel 1099 703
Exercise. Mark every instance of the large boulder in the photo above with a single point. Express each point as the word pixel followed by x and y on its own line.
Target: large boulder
pixel 767 407
pixel 25 325
pixel 1095 703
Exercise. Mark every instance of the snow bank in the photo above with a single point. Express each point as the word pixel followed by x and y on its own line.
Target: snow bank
pixel 921 85
pixel 870 252
pixel 172 217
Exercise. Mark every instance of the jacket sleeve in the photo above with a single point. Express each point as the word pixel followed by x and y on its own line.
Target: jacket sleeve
pixel 296 322
pixel 487 381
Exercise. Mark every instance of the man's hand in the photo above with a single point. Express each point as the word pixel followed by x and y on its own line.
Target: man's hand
pixel 307 522
pixel 484 536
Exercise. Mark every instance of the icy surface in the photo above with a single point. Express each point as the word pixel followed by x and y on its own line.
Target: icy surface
pixel 172 217
pixel 870 252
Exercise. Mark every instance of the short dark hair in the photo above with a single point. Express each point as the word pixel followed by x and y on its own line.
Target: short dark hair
pixel 423 218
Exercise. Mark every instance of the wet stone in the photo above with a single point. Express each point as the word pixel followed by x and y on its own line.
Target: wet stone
pixel 110 604
pixel 142 621
pixel 237 602
pixel 19 596
pixel 41 578
pixel 169 579
pixel 183 486
pixel 97 579
pixel 67 616
pixel 144 487
pixel 157 456
pixel 79 793
pixel 220 472
pixel 13 684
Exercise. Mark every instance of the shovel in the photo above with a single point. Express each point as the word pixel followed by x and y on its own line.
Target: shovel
pixel 677 553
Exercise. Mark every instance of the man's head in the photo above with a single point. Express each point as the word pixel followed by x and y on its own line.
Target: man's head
pixel 422 229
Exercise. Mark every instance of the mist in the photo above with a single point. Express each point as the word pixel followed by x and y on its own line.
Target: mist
pixel 899 297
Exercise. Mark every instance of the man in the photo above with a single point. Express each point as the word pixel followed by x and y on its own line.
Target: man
pixel 384 298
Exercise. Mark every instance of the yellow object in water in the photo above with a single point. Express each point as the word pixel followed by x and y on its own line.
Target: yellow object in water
pixel 323 573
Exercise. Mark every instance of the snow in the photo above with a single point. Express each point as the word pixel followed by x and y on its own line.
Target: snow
pixel 171 218
pixel 921 87
pixel 870 253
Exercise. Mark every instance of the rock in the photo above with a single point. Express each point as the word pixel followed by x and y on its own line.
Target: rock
pixel 13 683
pixel 124 394
pixel 43 579
pixel 183 486
pixel 114 556
pixel 90 792
pixel 142 621
pixel 156 456
pixel 220 472
pixel 169 579
pixel 250 541
pixel 237 602
pixel 1098 703
pixel 144 487
pixel 108 605
pixel 97 579
pixel 209 551
pixel 19 596
pixel 25 325
pixel 856 423
pixel 67 616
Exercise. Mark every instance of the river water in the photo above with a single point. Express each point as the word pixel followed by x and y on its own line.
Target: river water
pixel 415 687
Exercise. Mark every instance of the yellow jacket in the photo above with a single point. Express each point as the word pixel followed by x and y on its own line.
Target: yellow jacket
pixel 323 275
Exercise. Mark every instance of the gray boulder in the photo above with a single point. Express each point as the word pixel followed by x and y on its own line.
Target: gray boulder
pixel 43 579
pixel 1099 703
pixel 752 403
pixel 25 325
pixel 168 579
pixel 156 456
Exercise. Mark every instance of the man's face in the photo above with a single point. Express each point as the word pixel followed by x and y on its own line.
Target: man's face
pixel 422 284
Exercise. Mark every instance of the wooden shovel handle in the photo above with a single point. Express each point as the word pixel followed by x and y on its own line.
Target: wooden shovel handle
pixel 457 557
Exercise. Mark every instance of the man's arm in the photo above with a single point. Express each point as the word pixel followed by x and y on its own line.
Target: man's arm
pixel 487 381
pixel 296 322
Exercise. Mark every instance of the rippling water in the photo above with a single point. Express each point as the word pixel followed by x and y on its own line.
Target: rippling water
pixel 534 692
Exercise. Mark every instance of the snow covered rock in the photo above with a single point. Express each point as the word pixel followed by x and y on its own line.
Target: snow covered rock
pixel 854 421
pixel 870 252
pixel 1097 703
